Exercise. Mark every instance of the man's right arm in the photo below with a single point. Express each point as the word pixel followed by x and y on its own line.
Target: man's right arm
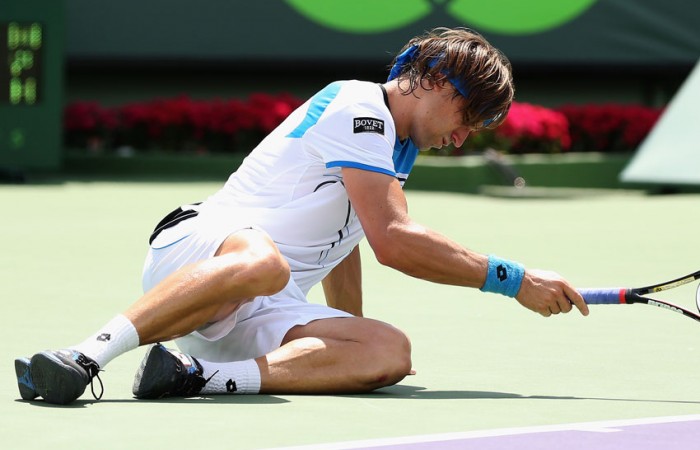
pixel 415 250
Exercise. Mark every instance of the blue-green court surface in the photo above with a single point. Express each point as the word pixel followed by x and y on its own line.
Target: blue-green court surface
pixel 72 257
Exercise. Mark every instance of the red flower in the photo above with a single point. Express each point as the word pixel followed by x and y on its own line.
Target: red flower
pixel 530 128
pixel 180 122
pixel 88 117
pixel 609 127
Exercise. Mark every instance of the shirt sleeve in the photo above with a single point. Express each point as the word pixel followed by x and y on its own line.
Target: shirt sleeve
pixel 360 136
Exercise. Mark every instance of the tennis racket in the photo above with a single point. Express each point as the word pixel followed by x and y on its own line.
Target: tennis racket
pixel 616 296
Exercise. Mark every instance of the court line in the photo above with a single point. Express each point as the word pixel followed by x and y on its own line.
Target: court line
pixel 609 426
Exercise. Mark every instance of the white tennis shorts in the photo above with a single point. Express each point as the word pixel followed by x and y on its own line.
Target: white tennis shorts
pixel 255 328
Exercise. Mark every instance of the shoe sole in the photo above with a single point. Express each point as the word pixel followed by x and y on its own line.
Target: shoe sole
pixel 24 379
pixel 159 361
pixel 55 381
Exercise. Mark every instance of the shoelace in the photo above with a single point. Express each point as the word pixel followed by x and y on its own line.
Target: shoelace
pixel 93 371
pixel 194 385
pixel 194 382
pixel 209 379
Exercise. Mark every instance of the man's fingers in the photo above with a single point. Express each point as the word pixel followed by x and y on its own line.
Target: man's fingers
pixel 577 300
pixel 562 305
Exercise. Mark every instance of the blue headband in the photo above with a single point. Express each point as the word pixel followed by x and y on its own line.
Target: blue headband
pixel 407 56
pixel 460 85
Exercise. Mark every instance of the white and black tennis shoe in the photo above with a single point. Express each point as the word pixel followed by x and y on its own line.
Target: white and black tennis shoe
pixel 168 373
pixel 60 377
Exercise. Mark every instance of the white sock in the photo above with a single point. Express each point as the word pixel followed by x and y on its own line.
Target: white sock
pixel 239 377
pixel 117 337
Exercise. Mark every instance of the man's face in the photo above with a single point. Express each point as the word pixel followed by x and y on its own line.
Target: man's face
pixel 438 120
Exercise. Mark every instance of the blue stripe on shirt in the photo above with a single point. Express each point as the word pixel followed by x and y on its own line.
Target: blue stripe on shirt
pixel 405 154
pixel 356 165
pixel 317 106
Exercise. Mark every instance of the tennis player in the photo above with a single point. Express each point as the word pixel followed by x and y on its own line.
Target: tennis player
pixel 227 278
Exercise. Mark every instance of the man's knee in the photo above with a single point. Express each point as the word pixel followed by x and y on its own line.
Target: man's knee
pixel 254 261
pixel 364 354
pixel 268 270
pixel 391 349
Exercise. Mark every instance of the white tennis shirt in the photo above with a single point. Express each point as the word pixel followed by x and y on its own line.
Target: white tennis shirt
pixel 291 184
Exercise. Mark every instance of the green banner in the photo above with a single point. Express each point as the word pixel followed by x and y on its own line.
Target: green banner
pixel 379 16
pixel 651 32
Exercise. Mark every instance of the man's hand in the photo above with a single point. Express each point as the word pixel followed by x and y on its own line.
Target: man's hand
pixel 548 293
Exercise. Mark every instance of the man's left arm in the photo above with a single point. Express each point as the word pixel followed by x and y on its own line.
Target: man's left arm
pixel 343 285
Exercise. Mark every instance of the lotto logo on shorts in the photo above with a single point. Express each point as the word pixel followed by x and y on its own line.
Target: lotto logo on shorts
pixel 368 125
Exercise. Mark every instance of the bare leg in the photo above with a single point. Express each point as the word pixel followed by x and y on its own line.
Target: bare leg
pixel 344 355
pixel 246 265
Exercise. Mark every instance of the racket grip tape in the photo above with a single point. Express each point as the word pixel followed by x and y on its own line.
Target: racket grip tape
pixel 607 296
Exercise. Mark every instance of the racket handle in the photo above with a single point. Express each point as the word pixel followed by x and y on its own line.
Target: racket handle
pixel 607 296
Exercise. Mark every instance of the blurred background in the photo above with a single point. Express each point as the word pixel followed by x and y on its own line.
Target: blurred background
pixel 573 51
pixel 214 76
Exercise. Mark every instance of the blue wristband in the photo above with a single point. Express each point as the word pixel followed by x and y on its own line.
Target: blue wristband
pixel 503 277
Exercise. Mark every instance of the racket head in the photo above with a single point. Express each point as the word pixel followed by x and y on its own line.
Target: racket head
pixel 697 297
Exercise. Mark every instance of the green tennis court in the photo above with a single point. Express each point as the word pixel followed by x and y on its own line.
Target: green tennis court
pixel 72 256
